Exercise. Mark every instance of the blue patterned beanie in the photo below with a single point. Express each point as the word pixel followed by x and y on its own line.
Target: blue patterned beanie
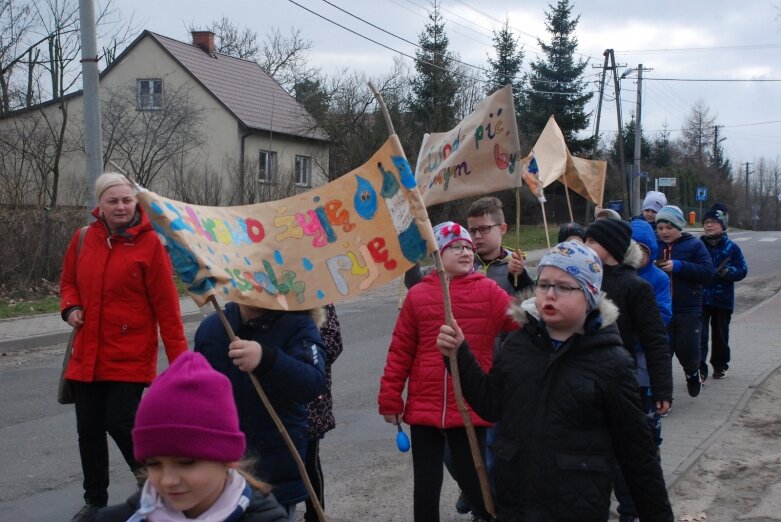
pixel 580 262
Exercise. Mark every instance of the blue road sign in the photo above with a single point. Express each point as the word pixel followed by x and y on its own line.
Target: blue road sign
pixel 702 193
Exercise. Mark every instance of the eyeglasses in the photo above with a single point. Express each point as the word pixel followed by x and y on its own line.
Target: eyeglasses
pixel 457 249
pixel 559 289
pixel 710 222
pixel 484 229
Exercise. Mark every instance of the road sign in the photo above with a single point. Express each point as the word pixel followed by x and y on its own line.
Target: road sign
pixel 666 182
pixel 702 193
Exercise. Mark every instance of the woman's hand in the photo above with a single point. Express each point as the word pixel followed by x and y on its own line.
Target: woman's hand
pixel 246 355
pixel 391 419
pixel 449 339
pixel 76 318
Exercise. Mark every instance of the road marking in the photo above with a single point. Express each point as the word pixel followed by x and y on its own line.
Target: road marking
pixel 736 239
pixel 768 239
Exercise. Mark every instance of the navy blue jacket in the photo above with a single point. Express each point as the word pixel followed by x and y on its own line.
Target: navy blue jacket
pixel 729 266
pixel 692 268
pixel 291 373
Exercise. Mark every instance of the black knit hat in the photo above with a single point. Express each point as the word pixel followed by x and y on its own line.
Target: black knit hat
pixel 718 212
pixel 568 230
pixel 614 236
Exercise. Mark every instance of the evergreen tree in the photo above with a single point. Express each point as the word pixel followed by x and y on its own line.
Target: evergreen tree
pixel 555 84
pixel 434 103
pixel 506 67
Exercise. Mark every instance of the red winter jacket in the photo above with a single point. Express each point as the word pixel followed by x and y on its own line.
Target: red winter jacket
pixel 124 286
pixel 480 308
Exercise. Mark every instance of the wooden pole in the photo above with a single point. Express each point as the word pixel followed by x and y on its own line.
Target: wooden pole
pixel 277 421
pixel 566 192
pixel 517 228
pixel 477 457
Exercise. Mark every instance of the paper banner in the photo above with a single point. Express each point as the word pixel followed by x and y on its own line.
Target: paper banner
pixel 329 244
pixel 555 163
pixel 477 157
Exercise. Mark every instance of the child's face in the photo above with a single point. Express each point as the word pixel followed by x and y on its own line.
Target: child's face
pixel 649 215
pixel 564 307
pixel 667 232
pixel 188 485
pixel 489 243
pixel 458 258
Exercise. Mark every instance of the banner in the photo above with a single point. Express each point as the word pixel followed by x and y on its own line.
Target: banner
pixel 555 163
pixel 477 157
pixel 330 244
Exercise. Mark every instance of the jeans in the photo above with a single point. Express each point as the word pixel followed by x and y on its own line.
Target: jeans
pixel 684 333
pixel 428 446
pixel 104 407
pixel 719 319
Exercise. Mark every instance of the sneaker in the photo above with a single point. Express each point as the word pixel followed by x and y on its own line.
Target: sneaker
pixel 719 374
pixel 703 375
pixel 693 384
pixel 668 412
pixel 628 518
pixel 462 504
pixel 86 513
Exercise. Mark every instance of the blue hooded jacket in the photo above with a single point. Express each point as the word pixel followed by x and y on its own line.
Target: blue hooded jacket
pixel 729 266
pixel 692 268
pixel 644 234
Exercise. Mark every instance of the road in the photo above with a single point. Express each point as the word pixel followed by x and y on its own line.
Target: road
pixel 366 476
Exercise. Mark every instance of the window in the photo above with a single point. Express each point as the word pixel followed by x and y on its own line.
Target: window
pixel 150 94
pixel 303 168
pixel 267 166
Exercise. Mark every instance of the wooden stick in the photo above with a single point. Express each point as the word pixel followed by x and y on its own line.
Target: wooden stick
pixel 277 421
pixel 477 457
pixel 517 228
pixel 566 192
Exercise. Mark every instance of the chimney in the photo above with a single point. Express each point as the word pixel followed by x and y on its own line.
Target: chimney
pixel 204 40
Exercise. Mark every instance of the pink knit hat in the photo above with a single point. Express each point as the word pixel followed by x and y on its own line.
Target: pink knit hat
pixel 189 412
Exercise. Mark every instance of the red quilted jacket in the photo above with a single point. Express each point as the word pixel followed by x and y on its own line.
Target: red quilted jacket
pixel 124 285
pixel 480 308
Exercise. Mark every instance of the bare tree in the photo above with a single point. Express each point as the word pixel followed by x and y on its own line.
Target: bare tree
pixel 232 40
pixel 284 58
pixel 15 22
pixel 697 133
pixel 144 142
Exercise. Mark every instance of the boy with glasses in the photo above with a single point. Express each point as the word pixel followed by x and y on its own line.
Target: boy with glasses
pixel 565 392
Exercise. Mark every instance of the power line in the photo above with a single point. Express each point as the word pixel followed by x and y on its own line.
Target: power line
pixel 750 47
pixel 715 79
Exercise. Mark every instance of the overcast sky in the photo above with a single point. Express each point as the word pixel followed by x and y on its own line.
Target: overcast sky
pixel 683 39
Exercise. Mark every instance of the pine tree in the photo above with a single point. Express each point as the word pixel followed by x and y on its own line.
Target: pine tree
pixel 434 103
pixel 555 84
pixel 506 67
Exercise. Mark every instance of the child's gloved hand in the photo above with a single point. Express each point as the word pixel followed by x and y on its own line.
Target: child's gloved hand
pixel 723 272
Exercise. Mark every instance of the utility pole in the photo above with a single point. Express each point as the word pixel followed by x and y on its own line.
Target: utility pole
pixel 748 210
pixel 93 141
pixel 621 156
pixel 596 128
pixel 638 137
pixel 716 158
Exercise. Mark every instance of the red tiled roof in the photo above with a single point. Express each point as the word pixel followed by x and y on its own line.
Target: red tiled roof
pixel 245 90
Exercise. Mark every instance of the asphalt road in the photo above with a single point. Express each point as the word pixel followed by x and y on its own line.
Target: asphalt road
pixel 366 476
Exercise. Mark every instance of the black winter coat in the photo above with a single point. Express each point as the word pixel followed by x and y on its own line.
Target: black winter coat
pixel 262 508
pixel 639 321
pixel 565 415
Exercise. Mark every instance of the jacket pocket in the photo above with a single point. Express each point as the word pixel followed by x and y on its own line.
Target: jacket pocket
pixel 583 485
pixel 127 332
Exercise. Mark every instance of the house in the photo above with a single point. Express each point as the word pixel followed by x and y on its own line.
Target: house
pixel 187 122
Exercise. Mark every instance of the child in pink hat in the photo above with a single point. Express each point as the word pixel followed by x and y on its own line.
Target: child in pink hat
pixel 187 435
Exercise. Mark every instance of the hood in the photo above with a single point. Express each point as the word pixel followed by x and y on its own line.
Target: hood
pixel 634 256
pixel 520 308
pixel 643 233
pixel 130 232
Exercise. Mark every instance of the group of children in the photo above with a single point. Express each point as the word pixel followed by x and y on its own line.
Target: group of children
pixel 565 379
pixel 578 386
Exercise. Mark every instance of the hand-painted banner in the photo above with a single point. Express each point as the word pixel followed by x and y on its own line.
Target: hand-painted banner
pixel 330 244
pixel 555 163
pixel 477 157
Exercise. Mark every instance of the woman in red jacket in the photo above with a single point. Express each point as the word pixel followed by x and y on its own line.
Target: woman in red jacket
pixel 413 356
pixel 116 289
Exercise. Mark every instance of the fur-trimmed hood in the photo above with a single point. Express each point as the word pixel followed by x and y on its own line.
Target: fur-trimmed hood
pixel 519 308
pixel 634 256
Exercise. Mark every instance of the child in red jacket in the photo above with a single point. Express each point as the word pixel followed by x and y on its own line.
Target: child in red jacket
pixel 480 306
